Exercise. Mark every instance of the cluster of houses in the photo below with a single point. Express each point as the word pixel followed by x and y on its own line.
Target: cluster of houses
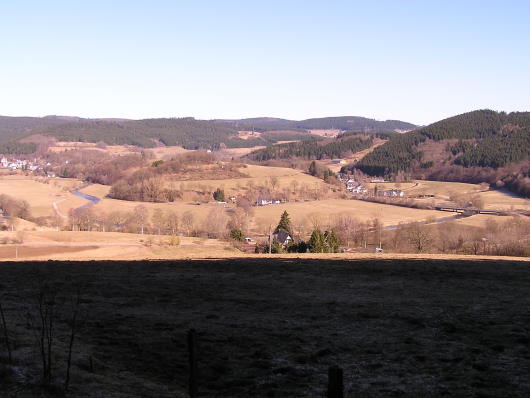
pixel 352 185
pixel 391 193
pixel 355 187
pixel 266 202
pixel 19 164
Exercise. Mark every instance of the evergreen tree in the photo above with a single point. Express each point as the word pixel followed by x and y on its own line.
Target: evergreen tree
pixel 332 242
pixel 237 235
pixel 316 242
pixel 313 168
pixel 219 195
pixel 285 223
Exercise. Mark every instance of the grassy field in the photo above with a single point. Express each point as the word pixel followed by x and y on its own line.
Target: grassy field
pixel 41 195
pixel 493 199
pixel 92 146
pixel 258 175
pixel 68 245
pixel 364 211
pixel 438 188
pixel 271 328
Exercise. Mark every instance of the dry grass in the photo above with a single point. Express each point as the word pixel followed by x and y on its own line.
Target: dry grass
pixel 364 211
pixel 504 200
pixel 167 152
pixel 493 199
pixel 257 176
pixel 40 195
pixel 479 220
pixel 272 327
pixel 97 190
pixel 326 132
pixel 68 245
pixel 91 146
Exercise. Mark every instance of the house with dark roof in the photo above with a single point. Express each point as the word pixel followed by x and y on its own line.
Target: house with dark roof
pixel 282 237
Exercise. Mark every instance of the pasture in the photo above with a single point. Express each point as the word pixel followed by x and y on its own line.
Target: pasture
pixel 68 245
pixel 272 327
pixel 324 210
pixel 493 199
pixel 41 193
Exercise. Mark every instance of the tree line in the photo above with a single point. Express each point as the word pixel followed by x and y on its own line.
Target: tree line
pixel 314 149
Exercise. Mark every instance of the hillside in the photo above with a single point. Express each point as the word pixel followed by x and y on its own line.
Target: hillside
pixel 341 123
pixel 188 132
pixel 477 146
pixel 318 149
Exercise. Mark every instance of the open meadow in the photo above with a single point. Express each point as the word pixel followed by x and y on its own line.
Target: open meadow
pixel 83 245
pixel 272 327
pixel 42 193
pixel 443 191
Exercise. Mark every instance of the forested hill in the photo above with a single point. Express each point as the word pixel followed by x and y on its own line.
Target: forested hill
pixel 187 132
pixel 344 123
pixel 474 146
pixel 341 146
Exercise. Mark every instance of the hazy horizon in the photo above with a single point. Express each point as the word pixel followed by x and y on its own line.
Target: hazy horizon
pixel 412 61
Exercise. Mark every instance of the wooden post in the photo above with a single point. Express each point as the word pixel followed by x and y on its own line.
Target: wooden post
pixel 192 351
pixel 335 384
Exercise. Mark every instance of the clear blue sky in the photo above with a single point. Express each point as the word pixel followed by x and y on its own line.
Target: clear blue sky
pixel 418 61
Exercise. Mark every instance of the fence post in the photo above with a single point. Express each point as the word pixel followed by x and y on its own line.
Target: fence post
pixel 192 352
pixel 335 383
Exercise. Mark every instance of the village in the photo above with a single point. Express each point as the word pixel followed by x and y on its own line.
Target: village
pixel 36 166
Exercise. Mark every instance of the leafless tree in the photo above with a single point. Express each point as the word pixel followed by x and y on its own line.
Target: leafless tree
pixel 42 321
pixel 6 334
pixel 73 332
pixel 187 222
pixel 418 236
pixel 141 215
pixel 172 221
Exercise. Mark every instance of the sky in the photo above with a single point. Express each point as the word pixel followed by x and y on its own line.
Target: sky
pixel 417 61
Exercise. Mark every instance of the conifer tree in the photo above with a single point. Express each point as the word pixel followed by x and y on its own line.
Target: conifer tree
pixel 316 242
pixel 219 195
pixel 285 223
pixel 332 243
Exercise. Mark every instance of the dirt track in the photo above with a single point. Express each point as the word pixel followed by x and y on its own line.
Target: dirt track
pixel 271 327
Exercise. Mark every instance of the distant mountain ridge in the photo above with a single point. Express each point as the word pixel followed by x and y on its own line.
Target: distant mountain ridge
pixel 187 132
pixel 344 123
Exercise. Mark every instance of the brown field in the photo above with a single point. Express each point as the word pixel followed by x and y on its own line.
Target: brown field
pixel 493 199
pixel 92 146
pixel 257 175
pixel 324 210
pixel 68 245
pixel 167 152
pixel 97 190
pixel 229 153
pixel 438 188
pixel 326 133
pixel 479 220
pixel 245 135
pixel 355 157
pixel 272 327
pixel 41 193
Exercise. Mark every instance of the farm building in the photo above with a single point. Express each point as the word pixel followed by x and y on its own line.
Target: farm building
pixel 391 193
pixel 265 202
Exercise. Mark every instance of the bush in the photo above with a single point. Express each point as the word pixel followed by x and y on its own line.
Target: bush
pixel 219 195
pixel 236 235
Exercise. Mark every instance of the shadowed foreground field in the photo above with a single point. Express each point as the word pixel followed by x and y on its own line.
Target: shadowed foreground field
pixel 271 327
